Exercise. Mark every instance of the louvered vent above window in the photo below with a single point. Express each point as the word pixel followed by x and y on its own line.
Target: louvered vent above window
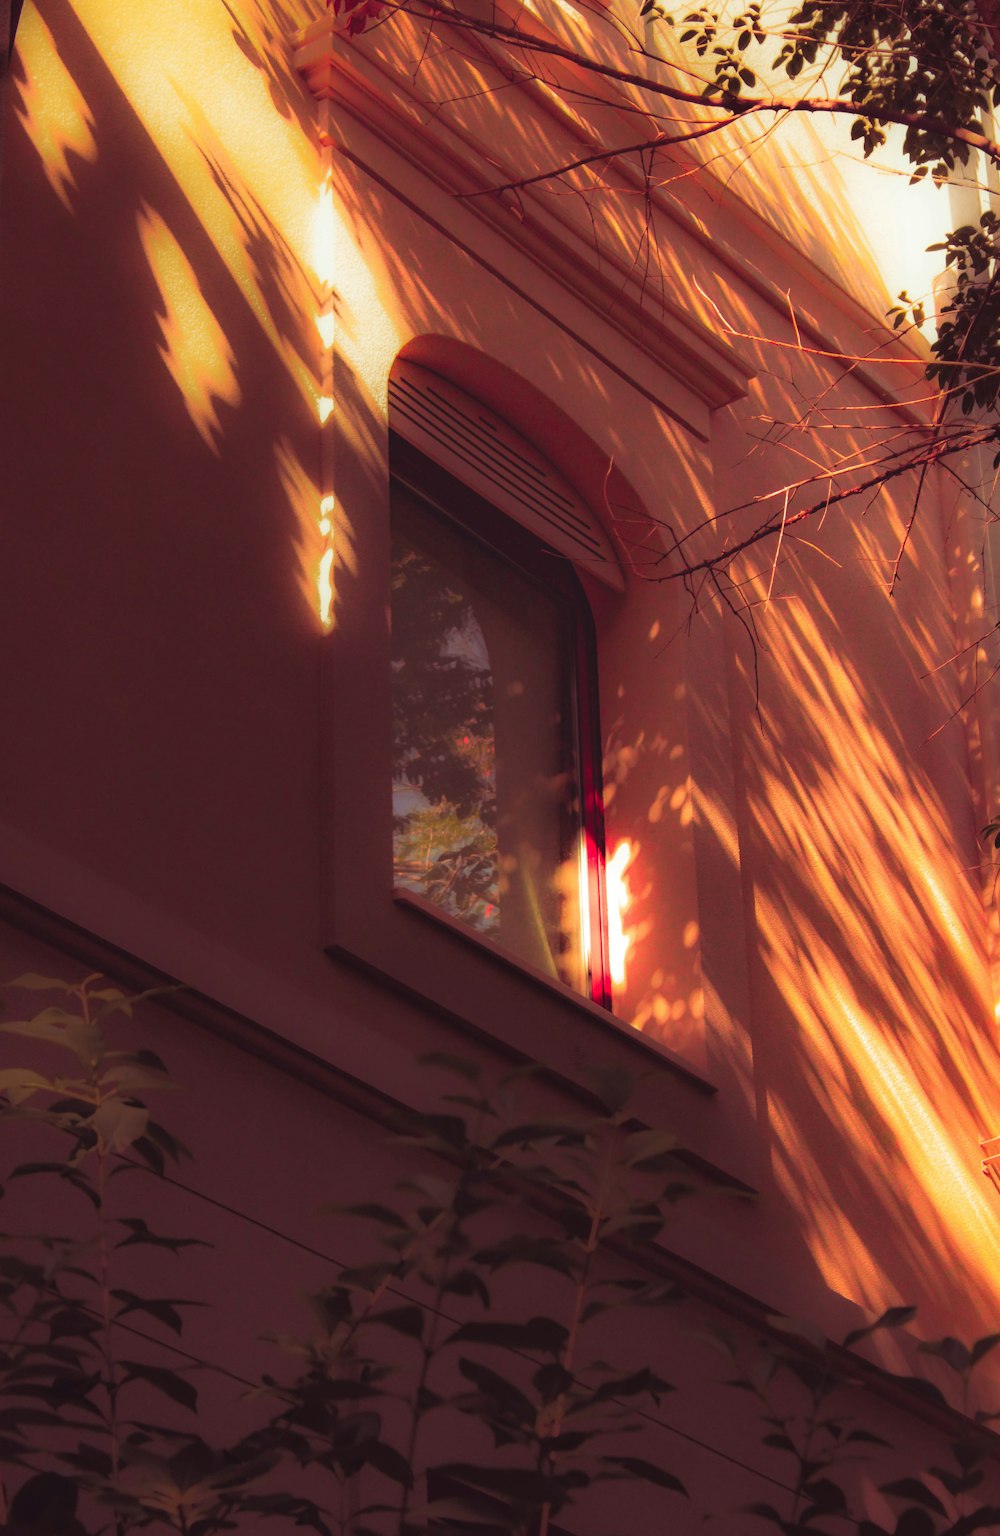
pixel 480 449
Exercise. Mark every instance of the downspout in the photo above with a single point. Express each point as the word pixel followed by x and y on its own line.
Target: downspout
pixel 313 57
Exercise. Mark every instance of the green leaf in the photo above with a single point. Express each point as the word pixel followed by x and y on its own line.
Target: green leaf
pixel 957 1482
pixel 45 1503
pixel 978 1520
pixel 60 1028
pixel 631 1385
pixel 922 1388
pixel 912 1488
pixel 19 1083
pixel 826 1496
pixel 73 1323
pixel 982 1347
pixel 547 1253
pixel 505 1399
pixel 163 1309
pixel 74 1176
pixel 634 1466
pixel 167 1382
pixel 551 1380
pixel 539 1130
pixel 894 1317
pixel 385 1459
pixel 767 1512
pixel 366 1277
pixel 614 1086
pixel 952 1351
pixel 465 1282
pixel 370 1209
pixel 538 1333
pixel 139 1233
pixel 643 1147
pixel 31 981
pixel 406 1320
pixel 120 1124
pixel 170 1144
pixel 915 1522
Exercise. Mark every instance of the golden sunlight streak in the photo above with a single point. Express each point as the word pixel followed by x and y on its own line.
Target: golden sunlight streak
pixel 583 900
pixel 246 172
pixel 322 233
pixel 324 585
pixel 198 356
pixel 324 579
pixel 303 496
pixel 619 897
pixel 52 111
pixel 869 930
pixel 321 256
pixel 326 324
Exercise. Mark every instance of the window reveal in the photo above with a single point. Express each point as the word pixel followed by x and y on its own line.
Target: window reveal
pixel 495 802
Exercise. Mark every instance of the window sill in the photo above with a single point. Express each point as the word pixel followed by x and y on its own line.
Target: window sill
pixel 426 910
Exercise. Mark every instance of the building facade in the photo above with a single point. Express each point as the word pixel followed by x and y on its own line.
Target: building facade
pixel 367 676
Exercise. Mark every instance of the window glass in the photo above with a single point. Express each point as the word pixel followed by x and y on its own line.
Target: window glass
pixel 487 819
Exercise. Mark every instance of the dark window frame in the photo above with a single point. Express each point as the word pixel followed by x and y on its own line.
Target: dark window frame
pixel 479 519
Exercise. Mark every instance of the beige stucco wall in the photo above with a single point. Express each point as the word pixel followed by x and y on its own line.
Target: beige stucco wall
pixel 792 763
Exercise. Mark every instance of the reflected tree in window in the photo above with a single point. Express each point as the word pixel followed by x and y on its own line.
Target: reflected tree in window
pixel 444 781
pixel 487 808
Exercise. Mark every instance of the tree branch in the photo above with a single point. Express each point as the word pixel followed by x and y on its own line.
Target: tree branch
pixel 431 10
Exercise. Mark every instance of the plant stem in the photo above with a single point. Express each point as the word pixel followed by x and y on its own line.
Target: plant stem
pixel 103 1254
pixel 590 1248
pixel 428 1346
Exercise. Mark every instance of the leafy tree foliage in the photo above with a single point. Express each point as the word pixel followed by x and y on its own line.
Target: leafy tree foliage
pixel 498 1262
pixel 78 1394
pixel 930 68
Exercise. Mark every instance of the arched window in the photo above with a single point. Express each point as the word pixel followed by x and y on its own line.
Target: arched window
pixel 497 819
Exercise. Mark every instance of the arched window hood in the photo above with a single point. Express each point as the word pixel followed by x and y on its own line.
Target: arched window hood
pixel 468 440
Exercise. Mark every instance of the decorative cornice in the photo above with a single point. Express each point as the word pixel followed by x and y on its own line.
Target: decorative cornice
pixel 314 54
pixel 708 365
pixel 335 69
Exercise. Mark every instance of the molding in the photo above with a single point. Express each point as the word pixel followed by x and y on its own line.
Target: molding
pixel 336 70
pixel 607 1018
pixel 991 1159
pixel 346 70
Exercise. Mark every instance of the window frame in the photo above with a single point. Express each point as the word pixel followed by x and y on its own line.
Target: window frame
pixel 465 988
pixel 447 496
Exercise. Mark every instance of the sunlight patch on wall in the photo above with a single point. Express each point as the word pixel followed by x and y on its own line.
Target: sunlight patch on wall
pixel 324 578
pixel 619 899
pixel 51 109
pixel 315 535
pixel 198 356
pixel 322 234
pixel 246 171
pixel 868 929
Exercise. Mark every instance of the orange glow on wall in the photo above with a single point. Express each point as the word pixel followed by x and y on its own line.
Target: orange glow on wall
pixel 52 111
pixel 322 233
pixel 195 349
pixel 324 578
pixel 325 324
pixel 619 897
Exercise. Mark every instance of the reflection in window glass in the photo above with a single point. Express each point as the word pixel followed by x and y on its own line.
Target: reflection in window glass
pixel 486 797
